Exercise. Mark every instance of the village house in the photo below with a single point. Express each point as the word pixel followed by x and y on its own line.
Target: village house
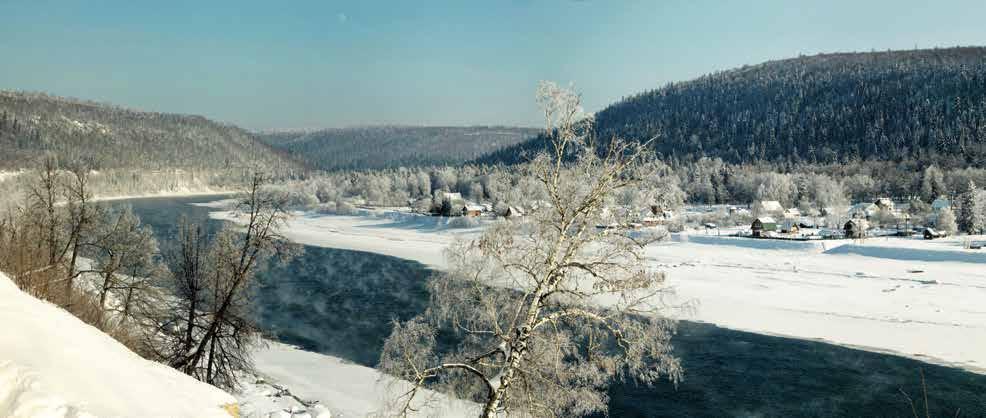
pixel 884 203
pixel 513 212
pixel 931 233
pixel 658 211
pixel 768 207
pixel 940 203
pixel 762 225
pixel 855 228
pixel 792 213
pixel 471 209
pixel 864 210
pixel 656 215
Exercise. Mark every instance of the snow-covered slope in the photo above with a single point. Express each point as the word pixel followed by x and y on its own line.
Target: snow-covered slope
pixel 54 365
pixel 348 390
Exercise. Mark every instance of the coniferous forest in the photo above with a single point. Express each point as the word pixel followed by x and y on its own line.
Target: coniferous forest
pixel 924 105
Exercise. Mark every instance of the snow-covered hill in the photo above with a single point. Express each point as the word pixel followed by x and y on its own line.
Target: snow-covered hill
pixel 54 365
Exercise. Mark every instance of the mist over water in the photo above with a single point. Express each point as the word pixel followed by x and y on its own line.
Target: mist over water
pixel 341 303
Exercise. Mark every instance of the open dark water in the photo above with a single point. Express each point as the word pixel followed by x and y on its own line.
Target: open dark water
pixel 341 303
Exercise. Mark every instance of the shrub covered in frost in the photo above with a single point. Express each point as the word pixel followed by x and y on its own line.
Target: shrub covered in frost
pixel 463 222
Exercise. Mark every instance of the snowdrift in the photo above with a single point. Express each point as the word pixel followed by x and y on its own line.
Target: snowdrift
pixel 55 366
pixel 348 389
pixel 910 254
pixel 751 243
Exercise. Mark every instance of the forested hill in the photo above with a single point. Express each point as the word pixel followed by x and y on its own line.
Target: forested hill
pixel 927 105
pixel 107 136
pixel 379 147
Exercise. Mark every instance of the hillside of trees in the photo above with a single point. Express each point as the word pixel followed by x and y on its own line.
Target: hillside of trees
pixel 109 137
pixel 381 147
pixel 920 105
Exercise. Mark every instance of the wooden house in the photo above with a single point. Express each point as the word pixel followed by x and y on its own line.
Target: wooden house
pixel 513 212
pixel 658 211
pixel 863 210
pixel 762 225
pixel 768 207
pixel 472 210
pixel 855 228
pixel 931 233
pixel 884 203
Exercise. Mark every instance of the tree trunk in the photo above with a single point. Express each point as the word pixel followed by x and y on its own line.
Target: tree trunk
pixel 102 295
pixel 127 301
pixel 71 269
pixel 517 350
pixel 212 356
pixel 187 344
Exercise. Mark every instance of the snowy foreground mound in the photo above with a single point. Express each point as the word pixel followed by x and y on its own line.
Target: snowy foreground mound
pixel 54 365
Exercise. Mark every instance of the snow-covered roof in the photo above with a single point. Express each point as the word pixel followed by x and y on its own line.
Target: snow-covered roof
pixel 863 207
pixel 861 223
pixel 941 203
pixel 766 220
pixel 771 205
pixel 473 207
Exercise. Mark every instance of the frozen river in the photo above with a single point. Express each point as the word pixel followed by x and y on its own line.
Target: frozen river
pixel 341 303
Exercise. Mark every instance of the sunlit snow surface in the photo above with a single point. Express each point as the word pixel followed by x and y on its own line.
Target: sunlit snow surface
pixel 55 366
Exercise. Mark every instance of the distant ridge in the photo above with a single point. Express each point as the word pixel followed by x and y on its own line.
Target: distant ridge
pixel 927 105
pixel 378 147
pixel 109 136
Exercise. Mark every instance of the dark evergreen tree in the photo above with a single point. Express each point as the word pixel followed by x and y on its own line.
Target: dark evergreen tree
pixel 970 213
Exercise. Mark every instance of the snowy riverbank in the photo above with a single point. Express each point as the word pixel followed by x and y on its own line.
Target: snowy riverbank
pixel 347 390
pixel 909 297
pixel 54 365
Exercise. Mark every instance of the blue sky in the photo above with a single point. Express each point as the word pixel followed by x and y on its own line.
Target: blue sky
pixel 307 64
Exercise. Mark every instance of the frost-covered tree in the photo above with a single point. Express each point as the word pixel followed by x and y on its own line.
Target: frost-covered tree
pixel 521 299
pixel 946 221
pixel 933 183
pixel 970 216
pixel 860 187
pixel 123 252
pixel 81 215
pixel 223 333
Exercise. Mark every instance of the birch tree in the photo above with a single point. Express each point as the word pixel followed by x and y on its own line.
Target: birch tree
pixel 81 216
pixel 215 328
pixel 46 216
pixel 548 311
pixel 123 251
